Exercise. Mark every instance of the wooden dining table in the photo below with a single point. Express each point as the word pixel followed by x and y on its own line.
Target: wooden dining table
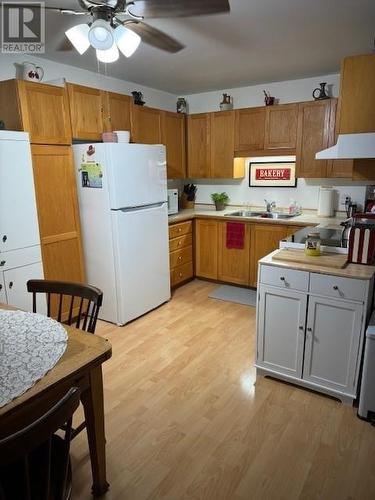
pixel 80 366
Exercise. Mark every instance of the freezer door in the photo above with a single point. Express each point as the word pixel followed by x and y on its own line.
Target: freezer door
pixel 137 175
pixel 141 260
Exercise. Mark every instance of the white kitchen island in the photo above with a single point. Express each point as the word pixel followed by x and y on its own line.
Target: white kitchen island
pixel 311 322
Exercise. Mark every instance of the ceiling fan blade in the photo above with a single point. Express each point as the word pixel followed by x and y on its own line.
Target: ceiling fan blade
pixel 177 8
pixel 153 36
pixel 68 11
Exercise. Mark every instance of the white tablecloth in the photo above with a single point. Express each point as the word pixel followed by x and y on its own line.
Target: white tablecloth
pixel 30 345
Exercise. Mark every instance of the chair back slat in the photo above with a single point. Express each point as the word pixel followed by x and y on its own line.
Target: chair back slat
pixel 26 455
pixel 91 299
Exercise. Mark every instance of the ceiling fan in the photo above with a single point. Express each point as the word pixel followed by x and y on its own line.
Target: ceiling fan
pixel 118 24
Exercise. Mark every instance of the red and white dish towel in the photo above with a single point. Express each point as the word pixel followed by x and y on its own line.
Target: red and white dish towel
pixel 361 245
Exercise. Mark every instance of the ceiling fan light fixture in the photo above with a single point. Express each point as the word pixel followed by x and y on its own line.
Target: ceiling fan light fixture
pixel 101 35
pixel 79 37
pixel 108 56
pixel 127 41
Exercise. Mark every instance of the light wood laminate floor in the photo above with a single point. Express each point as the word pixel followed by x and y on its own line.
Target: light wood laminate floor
pixel 184 419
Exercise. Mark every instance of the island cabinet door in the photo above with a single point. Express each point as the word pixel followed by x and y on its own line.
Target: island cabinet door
pixel 281 330
pixel 332 343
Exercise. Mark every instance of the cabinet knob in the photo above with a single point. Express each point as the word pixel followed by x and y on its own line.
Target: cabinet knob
pixel 5 237
pixel 335 287
pixel 180 275
pixel 179 230
pixel 11 284
pixel 282 278
pixel 301 327
pixel 2 263
pixel 180 257
pixel 1 287
pixel 309 329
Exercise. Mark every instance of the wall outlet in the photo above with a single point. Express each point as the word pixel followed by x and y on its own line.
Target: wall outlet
pixel 343 198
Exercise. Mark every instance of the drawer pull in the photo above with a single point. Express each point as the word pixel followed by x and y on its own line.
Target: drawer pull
pixel 5 237
pixel 2 263
pixel 180 275
pixel 301 327
pixel 179 229
pixel 335 287
pixel 282 278
pixel 11 284
pixel 1 287
pixel 309 329
pixel 180 257
pixel 179 243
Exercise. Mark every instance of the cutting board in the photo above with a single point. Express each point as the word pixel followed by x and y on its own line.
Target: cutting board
pixel 334 260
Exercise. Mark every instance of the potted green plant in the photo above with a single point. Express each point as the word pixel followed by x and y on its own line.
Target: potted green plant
pixel 220 200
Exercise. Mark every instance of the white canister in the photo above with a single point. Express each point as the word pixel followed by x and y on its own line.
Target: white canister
pixel 325 202
pixel 122 135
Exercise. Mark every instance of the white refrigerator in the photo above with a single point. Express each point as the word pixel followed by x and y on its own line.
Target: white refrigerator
pixel 122 191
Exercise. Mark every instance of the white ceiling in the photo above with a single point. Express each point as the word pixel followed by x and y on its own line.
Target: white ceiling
pixel 259 41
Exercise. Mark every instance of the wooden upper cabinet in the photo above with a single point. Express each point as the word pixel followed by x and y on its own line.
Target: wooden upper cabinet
pixel 147 125
pixel 357 95
pixel 57 204
pixel 249 129
pixel 337 168
pixel 233 263
pixel 206 247
pixel 313 136
pixel 281 126
pixel 86 112
pixel 37 108
pixel 116 111
pixel 199 145
pixel 223 164
pixel 173 137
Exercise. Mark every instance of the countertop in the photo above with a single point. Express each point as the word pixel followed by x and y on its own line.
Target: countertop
pixel 359 271
pixel 307 218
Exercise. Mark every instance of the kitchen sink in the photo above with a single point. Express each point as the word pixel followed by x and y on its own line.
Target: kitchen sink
pixel 261 215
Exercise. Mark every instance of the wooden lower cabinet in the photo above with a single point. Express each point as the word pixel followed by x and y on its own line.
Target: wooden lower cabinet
pixel 57 205
pixel 265 239
pixel 206 248
pixel 181 252
pixel 233 263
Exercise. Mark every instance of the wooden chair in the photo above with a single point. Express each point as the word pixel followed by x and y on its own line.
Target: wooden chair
pixel 34 462
pixel 91 299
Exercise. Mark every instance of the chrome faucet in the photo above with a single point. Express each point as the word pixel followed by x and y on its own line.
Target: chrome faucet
pixel 270 205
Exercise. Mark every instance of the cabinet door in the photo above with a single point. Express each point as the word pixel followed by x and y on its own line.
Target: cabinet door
pixel 281 330
pixel 116 111
pixel 281 126
pixel 86 112
pixel 16 290
pixel 222 145
pixel 206 245
pixel 249 129
pixel 45 113
pixel 173 137
pixel 332 343
pixel 233 263
pixel 198 143
pixel 313 136
pixel 265 238
pixel 337 168
pixel 18 217
pixel 147 125
pixel 357 95
pixel 56 196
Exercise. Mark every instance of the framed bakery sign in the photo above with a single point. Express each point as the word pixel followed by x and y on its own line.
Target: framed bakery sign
pixel 272 174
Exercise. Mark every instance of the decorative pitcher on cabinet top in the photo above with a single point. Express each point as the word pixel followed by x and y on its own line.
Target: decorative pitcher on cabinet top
pixel 31 72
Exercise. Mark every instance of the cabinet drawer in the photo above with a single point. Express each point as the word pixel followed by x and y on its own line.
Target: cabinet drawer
pixel 340 288
pixel 183 241
pixel 180 257
pixel 181 273
pixel 284 278
pixel 180 229
pixel 20 257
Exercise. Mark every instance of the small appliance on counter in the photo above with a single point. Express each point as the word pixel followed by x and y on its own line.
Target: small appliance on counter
pixel 172 195
pixel 325 202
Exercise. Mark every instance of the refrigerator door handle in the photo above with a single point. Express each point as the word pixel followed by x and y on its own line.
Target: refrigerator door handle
pixel 141 207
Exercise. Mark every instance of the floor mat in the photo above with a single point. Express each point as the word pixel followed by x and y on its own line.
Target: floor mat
pixel 235 294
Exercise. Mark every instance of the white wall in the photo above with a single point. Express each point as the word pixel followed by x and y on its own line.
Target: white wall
pixel 243 97
pixel 306 192
pixel 53 71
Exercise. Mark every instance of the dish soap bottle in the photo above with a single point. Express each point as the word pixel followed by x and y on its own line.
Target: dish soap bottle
pixel 312 245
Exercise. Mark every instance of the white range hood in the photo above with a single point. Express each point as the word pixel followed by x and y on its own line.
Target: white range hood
pixel 350 147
